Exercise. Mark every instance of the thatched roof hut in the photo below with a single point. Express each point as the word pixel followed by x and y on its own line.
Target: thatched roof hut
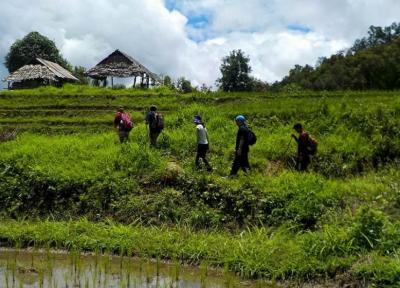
pixel 41 72
pixel 121 65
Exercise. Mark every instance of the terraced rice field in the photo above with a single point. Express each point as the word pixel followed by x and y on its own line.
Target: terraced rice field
pixel 70 180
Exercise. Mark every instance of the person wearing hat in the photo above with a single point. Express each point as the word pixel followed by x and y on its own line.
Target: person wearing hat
pixel 156 124
pixel 241 160
pixel 202 142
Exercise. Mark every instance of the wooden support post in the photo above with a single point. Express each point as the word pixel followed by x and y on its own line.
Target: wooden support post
pixel 148 82
pixel 8 85
pixel 141 80
pixel 134 82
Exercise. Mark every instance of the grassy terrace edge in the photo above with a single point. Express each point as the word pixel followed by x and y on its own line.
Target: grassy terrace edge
pixel 254 253
pixel 74 90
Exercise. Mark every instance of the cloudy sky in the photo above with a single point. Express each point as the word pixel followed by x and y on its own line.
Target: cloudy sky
pixel 189 37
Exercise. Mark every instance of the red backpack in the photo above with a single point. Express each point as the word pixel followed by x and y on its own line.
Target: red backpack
pixel 126 123
pixel 312 145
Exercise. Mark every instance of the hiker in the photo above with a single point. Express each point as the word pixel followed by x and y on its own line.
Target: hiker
pixel 242 146
pixel 123 124
pixel 202 143
pixel 306 147
pixel 155 121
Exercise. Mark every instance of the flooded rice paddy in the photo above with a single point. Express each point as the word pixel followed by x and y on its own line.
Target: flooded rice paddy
pixel 34 268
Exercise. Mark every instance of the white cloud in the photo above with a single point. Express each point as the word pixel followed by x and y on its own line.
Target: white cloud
pixel 87 30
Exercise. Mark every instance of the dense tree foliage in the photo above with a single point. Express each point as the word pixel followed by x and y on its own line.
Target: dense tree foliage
pixel 235 70
pixel 167 81
pixel 258 85
pixel 183 85
pixel 25 51
pixel 79 72
pixel 377 36
pixel 372 63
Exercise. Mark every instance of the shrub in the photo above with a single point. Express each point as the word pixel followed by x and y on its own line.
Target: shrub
pixel 367 230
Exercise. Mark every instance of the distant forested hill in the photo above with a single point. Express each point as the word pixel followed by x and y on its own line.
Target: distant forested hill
pixel 372 63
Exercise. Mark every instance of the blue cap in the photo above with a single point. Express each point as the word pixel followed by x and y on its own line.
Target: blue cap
pixel 240 118
pixel 197 119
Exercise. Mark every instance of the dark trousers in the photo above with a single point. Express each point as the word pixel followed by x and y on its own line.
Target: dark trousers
pixel 241 161
pixel 153 137
pixel 202 154
pixel 123 136
pixel 303 160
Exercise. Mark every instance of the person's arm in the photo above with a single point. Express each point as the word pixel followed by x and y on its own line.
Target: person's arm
pixel 295 138
pixel 240 148
pixel 150 118
pixel 241 135
pixel 198 134
pixel 116 121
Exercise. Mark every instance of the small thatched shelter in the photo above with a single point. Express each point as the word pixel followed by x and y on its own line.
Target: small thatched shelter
pixel 41 72
pixel 121 65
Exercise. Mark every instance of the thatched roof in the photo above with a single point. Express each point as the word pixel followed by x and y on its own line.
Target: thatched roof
pixel 119 64
pixel 42 69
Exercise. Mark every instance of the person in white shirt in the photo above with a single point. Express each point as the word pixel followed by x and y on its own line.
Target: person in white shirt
pixel 202 142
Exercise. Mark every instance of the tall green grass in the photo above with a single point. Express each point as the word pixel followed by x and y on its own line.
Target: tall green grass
pixel 67 163
pixel 279 254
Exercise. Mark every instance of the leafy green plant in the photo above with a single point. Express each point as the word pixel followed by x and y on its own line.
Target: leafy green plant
pixel 367 230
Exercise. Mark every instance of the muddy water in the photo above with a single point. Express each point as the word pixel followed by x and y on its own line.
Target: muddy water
pixel 59 270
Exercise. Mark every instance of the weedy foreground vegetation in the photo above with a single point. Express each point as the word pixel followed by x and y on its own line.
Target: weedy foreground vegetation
pixel 339 220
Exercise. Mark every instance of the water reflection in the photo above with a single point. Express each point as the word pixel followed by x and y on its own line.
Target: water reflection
pixel 50 269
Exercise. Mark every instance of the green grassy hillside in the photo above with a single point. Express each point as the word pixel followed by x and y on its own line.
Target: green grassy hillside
pixel 341 217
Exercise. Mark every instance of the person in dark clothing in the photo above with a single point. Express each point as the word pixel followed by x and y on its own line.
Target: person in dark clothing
pixel 202 143
pixel 122 124
pixel 303 152
pixel 151 121
pixel 242 147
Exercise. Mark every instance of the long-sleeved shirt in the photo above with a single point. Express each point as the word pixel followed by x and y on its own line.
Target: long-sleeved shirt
pixel 150 119
pixel 303 143
pixel 118 121
pixel 241 138
pixel 202 134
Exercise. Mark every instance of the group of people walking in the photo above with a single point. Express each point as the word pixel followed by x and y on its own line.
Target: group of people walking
pixel 245 138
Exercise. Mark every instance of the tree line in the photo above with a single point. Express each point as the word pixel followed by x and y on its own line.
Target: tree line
pixel 373 62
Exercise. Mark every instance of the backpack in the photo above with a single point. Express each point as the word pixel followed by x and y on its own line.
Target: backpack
pixel 312 145
pixel 251 138
pixel 158 123
pixel 126 123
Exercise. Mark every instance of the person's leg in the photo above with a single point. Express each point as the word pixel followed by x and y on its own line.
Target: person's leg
pixel 235 165
pixel 244 161
pixel 208 166
pixel 204 157
pixel 304 164
pixel 299 163
pixel 122 136
pixel 198 156
pixel 153 138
